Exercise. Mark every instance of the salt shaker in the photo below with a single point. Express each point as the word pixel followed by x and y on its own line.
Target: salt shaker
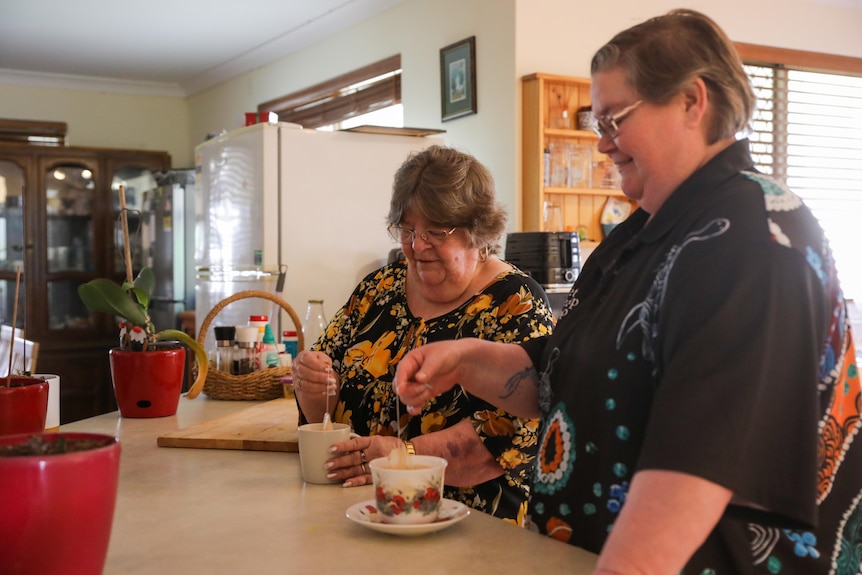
pixel 224 348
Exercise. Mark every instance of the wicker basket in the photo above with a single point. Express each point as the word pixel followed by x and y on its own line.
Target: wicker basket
pixel 259 385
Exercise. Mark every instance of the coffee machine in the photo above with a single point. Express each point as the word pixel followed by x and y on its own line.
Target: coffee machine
pixel 553 259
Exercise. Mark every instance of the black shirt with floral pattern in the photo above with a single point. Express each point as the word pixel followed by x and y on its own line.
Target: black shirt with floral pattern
pixel 375 329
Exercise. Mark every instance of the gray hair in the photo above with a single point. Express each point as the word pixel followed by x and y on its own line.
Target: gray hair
pixel 448 189
pixel 664 53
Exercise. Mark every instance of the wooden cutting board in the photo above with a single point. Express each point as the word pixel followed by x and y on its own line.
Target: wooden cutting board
pixel 269 426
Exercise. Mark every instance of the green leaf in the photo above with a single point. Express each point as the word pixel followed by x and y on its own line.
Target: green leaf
pixel 200 357
pixel 146 281
pixel 142 296
pixel 105 296
pixel 144 286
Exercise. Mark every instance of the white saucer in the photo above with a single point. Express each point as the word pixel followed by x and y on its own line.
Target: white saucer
pixel 366 514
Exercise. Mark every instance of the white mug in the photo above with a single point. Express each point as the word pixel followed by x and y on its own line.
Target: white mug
pixel 52 420
pixel 314 443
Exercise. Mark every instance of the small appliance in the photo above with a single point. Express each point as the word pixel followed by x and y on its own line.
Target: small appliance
pixel 552 258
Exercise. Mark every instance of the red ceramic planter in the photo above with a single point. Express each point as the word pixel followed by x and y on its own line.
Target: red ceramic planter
pixel 148 383
pixel 58 509
pixel 24 406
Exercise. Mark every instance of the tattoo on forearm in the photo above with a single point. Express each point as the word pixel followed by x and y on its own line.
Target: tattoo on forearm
pixel 528 374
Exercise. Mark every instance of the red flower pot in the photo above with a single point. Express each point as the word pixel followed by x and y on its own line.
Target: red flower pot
pixel 58 508
pixel 148 383
pixel 24 406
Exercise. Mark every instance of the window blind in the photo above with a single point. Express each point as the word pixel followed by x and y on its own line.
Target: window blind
pixel 807 133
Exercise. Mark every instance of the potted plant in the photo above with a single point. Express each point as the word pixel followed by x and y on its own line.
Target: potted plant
pixel 147 375
pixel 147 372
pixel 59 494
pixel 23 404
pixel 23 399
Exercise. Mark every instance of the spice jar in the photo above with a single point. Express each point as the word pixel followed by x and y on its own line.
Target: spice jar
pixel 245 355
pixel 259 321
pixel 586 120
pixel 291 342
pixel 224 348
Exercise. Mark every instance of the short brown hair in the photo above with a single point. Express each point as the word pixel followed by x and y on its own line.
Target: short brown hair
pixel 663 53
pixel 448 188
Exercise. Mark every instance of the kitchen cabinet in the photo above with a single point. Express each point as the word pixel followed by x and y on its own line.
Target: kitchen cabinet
pixel 566 182
pixel 59 223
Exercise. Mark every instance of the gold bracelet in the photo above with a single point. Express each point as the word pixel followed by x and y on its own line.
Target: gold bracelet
pixel 410 449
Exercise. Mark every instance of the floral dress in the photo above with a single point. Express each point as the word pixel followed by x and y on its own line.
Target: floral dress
pixel 375 329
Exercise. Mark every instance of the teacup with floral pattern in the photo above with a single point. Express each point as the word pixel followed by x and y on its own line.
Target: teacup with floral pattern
pixel 408 494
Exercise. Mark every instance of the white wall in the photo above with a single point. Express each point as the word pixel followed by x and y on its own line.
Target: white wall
pixel 417 29
pixel 560 36
pixel 105 119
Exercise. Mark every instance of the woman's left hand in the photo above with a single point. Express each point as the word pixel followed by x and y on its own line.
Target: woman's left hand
pixel 349 462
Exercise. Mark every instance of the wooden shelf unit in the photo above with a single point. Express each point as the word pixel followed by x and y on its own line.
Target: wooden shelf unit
pixel 544 98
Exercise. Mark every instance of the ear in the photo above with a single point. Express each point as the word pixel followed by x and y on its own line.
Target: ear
pixel 696 98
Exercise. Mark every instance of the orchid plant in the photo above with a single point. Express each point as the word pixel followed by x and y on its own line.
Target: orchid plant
pixel 130 301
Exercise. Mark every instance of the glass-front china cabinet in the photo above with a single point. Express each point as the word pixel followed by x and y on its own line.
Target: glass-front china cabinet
pixel 59 225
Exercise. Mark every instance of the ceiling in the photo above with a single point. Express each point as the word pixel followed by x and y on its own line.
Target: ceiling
pixel 183 46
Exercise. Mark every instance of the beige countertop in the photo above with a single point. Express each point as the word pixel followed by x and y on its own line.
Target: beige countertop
pixel 213 511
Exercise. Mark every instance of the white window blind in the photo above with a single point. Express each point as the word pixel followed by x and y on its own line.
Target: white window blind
pixel 807 132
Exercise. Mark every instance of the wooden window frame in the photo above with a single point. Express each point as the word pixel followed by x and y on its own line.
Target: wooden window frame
pixel 324 103
pixel 814 61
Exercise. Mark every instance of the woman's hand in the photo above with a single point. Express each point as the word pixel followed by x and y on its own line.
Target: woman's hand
pixel 426 372
pixel 313 379
pixel 349 462
pixel 500 373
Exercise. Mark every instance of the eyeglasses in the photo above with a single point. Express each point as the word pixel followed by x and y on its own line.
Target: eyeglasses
pixel 609 126
pixel 408 236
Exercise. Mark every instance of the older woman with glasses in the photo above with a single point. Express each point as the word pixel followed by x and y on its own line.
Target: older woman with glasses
pixel 700 397
pixel 450 285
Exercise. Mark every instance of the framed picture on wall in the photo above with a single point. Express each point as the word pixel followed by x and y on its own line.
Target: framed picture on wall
pixel 458 79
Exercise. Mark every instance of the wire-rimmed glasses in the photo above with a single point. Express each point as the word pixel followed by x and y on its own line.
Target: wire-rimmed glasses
pixel 609 126
pixel 407 236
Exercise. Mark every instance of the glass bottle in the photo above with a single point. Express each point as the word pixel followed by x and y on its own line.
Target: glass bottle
pixel 559 165
pixel 268 355
pixel 546 156
pixel 564 121
pixel 315 322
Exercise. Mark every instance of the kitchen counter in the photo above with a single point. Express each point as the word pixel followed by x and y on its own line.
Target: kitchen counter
pixel 211 511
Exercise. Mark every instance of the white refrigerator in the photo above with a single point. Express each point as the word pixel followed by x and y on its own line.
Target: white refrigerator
pixel 312 204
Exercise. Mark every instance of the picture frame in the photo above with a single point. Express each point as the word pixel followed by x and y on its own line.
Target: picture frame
pixel 458 79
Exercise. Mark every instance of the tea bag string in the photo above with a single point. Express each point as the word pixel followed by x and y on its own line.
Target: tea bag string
pixel 327 421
